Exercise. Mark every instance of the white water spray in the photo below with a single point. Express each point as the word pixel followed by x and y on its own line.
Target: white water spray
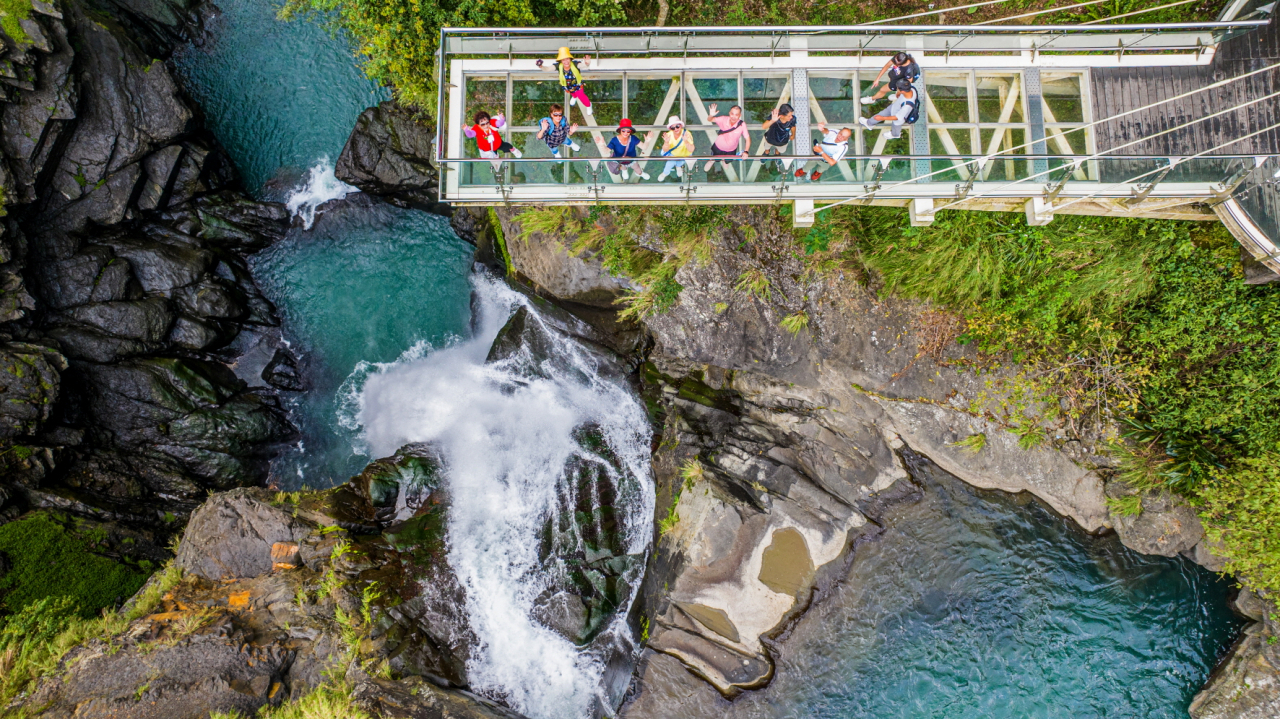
pixel 505 440
pixel 322 186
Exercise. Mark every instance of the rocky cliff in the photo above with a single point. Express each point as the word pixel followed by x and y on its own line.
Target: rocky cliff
pixel 781 450
pixel 124 286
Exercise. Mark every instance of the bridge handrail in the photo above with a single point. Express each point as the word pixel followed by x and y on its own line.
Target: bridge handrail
pixel 771 158
pixel 860 29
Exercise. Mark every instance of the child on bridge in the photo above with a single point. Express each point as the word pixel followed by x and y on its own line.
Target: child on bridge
pixel 626 144
pixel 676 142
pixel 488 139
pixel 571 77
pixel 555 131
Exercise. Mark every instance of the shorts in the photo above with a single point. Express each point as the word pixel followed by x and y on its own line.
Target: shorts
pixel 504 147
pixel 783 144
pixel 717 151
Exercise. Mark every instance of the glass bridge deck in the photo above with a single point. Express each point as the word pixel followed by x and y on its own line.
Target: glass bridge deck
pixel 1007 114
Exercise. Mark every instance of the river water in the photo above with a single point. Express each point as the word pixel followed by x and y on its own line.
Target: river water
pixel 974 604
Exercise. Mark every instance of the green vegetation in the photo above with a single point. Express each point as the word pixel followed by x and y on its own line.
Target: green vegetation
pixel 11 13
pixel 1126 506
pixel 398 38
pixel 34 639
pixel 331 700
pixel 691 472
pixel 50 560
pixel 500 239
pixel 1241 509
pixel 795 322
pixel 972 444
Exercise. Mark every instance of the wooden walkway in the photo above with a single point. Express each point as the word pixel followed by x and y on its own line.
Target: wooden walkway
pixel 1116 90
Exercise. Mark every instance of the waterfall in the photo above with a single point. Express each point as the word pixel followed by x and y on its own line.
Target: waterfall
pixel 517 466
pixel 322 185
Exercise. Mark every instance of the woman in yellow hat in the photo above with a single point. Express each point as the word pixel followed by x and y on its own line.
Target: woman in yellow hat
pixel 571 77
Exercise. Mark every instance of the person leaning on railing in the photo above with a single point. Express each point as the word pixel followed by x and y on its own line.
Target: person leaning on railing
pixel 732 131
pixel 832 148
pixel 676 142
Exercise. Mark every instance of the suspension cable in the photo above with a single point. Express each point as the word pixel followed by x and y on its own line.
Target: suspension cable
pixel 1159 169
pixel 983 4
pixel 988 158
pixel 1109 150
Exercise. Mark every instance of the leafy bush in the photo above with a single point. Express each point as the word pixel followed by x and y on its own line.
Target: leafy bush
pixel 48 560
pixel 398 38
pixel 1241 509
pixel 1207 344
pixel 1053 286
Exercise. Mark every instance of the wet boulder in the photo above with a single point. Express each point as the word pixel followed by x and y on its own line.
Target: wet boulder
pixel 281 372
pixel 30 376
pixel 195 415
pixel 232 535
pixel 1165 523
pixel 418 698
pixel 388 154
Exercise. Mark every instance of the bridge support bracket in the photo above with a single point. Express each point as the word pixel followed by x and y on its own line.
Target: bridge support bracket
pixel 1039 212
pixel 803 213
pixel 922 211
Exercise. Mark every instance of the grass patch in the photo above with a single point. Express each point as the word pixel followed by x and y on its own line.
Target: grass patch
pixel 48 560
pixel 11 12
pixel 972 444
pixel 327 701
pixel 1127 506
pixel 34 640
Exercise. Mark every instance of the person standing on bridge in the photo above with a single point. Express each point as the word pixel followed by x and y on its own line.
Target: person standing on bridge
pixel 779 131
pixel 676 142
pixel 904 110
pixel 832 149
pixel 733 130
pixel 901 66
pixel 488 139
pixel 626 144
pixel 571 77
pixel 555 131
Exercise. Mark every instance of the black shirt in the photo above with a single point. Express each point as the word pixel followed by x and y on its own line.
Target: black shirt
pixel 911 71
pixel 779 133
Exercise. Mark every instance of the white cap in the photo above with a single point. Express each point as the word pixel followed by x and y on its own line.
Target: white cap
pixel 674 120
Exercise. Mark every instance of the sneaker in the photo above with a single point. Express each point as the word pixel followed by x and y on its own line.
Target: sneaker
pixel 661 178
pixel 800 174
pixel 517 154
pixel 868 99
pixel 556 153
pixel 574 146
pixel 814 177
pixel 680 172
pixel 624 174
pixel 644 176
pixel 572 100
pixel 586 109
pixel 865 122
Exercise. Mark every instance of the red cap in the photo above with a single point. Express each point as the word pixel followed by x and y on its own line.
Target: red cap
pixel 624 123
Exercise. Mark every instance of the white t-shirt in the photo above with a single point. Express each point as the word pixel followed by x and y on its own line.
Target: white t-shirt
pixel 901 107
pixel 833 148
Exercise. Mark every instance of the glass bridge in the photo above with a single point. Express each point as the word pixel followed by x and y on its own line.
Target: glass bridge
pixel 1007 123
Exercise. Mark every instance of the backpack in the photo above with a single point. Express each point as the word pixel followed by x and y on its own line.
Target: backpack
pixel 915 106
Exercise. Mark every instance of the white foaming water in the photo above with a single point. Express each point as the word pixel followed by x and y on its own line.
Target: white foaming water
pixel 505 439
pixel 322 185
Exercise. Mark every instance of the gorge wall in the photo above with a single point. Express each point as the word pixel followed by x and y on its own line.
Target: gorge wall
pixel 127 300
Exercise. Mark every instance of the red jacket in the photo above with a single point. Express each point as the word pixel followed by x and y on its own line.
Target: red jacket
pixel 487 139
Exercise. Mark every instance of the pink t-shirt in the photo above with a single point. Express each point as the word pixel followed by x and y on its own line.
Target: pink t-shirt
pixel 728 142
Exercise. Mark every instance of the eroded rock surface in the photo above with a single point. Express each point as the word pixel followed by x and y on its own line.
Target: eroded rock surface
pixel 1246 685
pixel 389 153
pixel 278 595
pixel 123 279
